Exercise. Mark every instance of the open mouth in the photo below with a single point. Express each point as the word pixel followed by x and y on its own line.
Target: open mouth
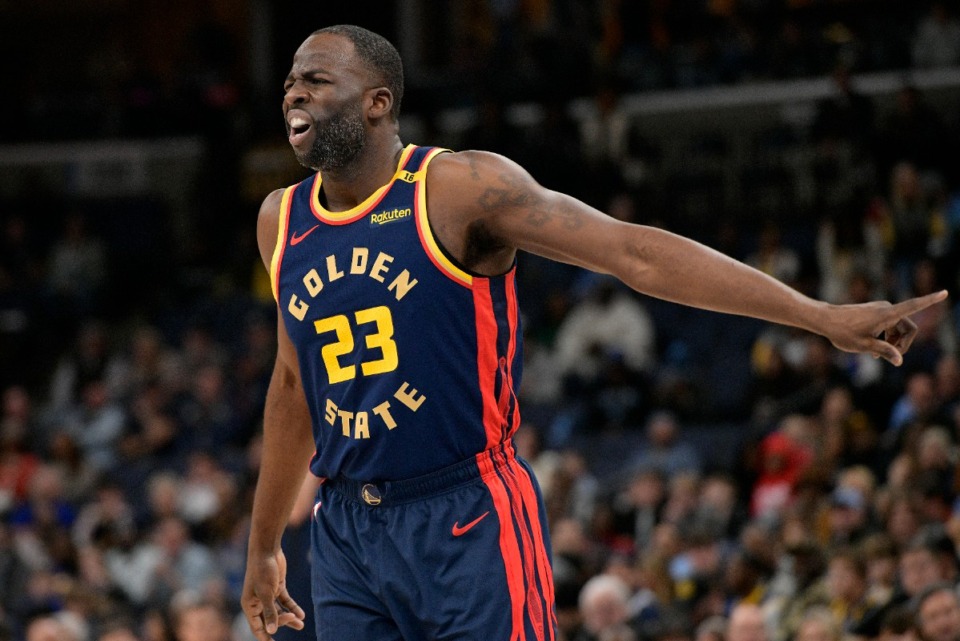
pixel 299 128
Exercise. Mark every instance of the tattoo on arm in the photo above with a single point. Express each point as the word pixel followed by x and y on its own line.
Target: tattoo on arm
pixel 472 161
pixel 516 192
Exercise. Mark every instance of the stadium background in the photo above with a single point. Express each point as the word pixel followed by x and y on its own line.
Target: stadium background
pixel 692 461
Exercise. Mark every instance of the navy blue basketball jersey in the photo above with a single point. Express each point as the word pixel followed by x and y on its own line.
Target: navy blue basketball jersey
pixel 409 362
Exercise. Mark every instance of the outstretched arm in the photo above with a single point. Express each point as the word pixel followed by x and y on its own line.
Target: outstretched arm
pixel 519 213
pixel 287 448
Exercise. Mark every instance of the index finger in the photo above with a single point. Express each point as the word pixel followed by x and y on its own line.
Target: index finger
pixel 914 305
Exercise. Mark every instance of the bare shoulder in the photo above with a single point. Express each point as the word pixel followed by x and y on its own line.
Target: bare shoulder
pixel 477 173
pixel 496 189
pixel 267 223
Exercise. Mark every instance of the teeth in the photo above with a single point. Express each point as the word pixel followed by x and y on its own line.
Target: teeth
pixel 297 121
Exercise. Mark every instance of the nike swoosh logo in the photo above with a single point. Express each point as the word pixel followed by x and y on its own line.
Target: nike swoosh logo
pixel 460 531
pixel 294 239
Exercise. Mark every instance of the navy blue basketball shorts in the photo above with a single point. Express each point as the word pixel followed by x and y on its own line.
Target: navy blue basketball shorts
pixel 458 554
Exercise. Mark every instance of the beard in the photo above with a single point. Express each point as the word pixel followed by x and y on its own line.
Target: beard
pixel 338 140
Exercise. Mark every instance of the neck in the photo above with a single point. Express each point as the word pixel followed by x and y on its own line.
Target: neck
pixel 374 167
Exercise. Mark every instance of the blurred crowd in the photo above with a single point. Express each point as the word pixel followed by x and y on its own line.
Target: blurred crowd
pixel 708 478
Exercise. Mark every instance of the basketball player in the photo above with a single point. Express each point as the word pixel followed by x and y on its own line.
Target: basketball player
pixel 399 360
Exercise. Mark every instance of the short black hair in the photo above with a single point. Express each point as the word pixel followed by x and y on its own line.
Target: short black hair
pixel 377 52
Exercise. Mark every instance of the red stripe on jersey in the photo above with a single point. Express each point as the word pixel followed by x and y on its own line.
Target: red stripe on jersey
pixel 487 362
pixel 509 548
pixel 512 322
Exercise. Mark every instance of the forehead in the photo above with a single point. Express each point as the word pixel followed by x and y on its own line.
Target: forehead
pixel 327 51
pixel 939 599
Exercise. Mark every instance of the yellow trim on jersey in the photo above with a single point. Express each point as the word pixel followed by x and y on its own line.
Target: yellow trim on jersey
pixel 282 224
pixel 439 256
pixel 368 204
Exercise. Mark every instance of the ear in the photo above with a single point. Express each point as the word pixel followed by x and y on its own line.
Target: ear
pixel 380 102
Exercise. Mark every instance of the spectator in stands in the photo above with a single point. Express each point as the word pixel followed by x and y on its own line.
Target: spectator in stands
pixel 605 132
pixel 781 462
pixel 745 579
pixel 938 613
pixel 180 563
pixel 849 516
pixel 17 418
pixel 916 406
pixel 638 507
pixel 935 330
pixel 682 493
pixel 903 517
pixel 800 584
pixel 773 258
pixel 156 626
pixel 936 471
pixel 200 620
pixel 897 624
pixel 17 466
pixel 937 40
pixel 848 250
pixel 118 630
pixel 947 382
pixel 746 624
pixel 79 477
pixel 574 487
pixel 87 361
pixel 603 607
pixel 50 628
pixel 819 624
pixel 921 566
pixel 718 510
pixel 713 628
pixel 77 268
pixel 148 362
pixel 164 495
pixel 202 489
pixel 608 334
pixel 911 227
pixel 45 518
pixel 847 588
pixel 97 425
pixel 206 415
pixel 663 450
pixel 151 442
pixel 880 556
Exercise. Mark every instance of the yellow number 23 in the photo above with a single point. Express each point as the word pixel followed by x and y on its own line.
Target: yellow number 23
pixel 382 339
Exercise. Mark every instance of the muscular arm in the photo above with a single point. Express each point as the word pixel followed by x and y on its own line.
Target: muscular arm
pixel 287 437
pixel 287 448
pixel 494 193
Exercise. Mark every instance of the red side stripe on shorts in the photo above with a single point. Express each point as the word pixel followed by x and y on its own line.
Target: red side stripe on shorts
pixel 533 596
pixel 544 571
pixel 487 364
pixel 509 548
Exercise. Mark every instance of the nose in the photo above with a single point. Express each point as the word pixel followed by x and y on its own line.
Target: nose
pixel 295 95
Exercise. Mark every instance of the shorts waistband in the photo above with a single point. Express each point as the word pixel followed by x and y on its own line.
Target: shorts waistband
pixel 385 493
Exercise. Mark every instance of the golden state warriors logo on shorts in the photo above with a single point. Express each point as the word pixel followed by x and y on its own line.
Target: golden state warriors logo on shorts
pixel 371 494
